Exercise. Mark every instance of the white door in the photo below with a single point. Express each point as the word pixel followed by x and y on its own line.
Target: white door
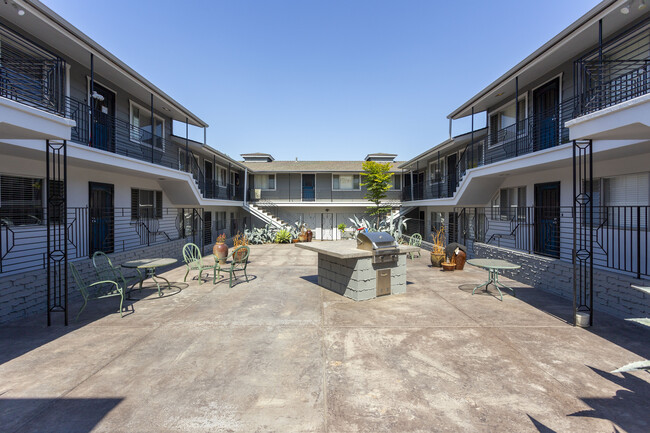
pixel 328 226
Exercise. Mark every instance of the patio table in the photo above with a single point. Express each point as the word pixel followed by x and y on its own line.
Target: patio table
pixel 149 267
pixel 493 266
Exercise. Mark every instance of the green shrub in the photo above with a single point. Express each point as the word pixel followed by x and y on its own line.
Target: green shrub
pixel 283 237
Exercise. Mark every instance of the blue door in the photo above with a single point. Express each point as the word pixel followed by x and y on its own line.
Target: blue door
pixel 308 187
pixel 547 115
pixel 101 218
pixel 547 219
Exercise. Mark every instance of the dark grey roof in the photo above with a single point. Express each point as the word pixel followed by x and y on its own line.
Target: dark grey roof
pixel 310 166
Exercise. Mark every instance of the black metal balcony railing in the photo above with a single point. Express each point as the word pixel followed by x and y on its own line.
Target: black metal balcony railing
pixel 620 233
pixel 616 73
pixel 89 230
pixel 30 74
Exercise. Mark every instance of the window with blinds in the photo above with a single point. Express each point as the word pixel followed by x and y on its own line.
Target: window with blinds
pixel 21 200
pixel 146 204
pixel 220 220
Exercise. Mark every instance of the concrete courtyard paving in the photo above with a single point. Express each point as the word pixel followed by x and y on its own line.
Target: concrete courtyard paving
pixel 280 354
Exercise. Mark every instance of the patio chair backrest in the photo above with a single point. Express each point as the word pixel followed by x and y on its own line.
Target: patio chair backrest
pixel 191 254
pixel 103 266
pixel 240 257
pixel 416 240
pixel 81 285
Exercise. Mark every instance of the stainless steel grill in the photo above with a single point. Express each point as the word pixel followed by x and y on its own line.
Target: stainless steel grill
pixel 383 246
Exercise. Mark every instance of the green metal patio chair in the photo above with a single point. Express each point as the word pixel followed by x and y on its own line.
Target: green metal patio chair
pixel 194 260
pixel 105 270
pixel 415 241
pixel 238 262
pixel 97 290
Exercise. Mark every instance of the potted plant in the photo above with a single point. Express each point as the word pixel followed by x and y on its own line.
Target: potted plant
pixel 220 249
pixel 342 228
pixel 309 235
pixel 438 250
pixel 239 241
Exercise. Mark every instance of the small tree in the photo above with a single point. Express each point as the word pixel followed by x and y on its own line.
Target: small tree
pixel 377 180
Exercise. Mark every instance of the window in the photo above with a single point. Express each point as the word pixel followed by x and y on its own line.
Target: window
pixel 222 176
pixel 437 221
pixel 505 117
pixel 220 223
pixel 397 181
pixel 21 200
pixel 346 182
pixel 146 204
pixel 437 171
pixel 619 194
pixel 509 203
pixel 265 181
pixel 140 119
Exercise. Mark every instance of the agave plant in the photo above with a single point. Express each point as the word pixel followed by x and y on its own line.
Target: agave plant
pixel 392 225
pixel 283 237
pixel 262 235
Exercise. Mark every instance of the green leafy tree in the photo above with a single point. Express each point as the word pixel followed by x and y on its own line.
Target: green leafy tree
pixel 377 180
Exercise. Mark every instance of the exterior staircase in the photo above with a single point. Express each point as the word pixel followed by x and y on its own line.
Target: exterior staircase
pixel 265 212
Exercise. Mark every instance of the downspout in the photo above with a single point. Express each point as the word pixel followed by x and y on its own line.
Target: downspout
pixel 411 171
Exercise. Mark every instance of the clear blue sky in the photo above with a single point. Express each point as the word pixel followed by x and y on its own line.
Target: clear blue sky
pixel 322 79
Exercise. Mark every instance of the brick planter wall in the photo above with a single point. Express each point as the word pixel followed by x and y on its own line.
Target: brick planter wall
pixel 25 294
pixel 612 291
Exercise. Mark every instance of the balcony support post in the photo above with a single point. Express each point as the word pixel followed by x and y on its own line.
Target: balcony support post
pixel 517 116
pixel 245 185
pixel 213 181
pixel 228 187
pixel 411 171
pixel 187 146
pixel 153 129
pixel 90 100
pixel 467 166
pixel 438 181
pixel 600 64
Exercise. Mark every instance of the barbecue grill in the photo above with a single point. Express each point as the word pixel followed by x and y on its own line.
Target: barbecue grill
pixel 383 246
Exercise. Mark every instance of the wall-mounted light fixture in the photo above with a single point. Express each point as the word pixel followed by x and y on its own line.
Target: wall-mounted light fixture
pixel 626 8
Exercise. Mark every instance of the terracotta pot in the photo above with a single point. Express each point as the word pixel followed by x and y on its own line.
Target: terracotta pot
pixel 302 238
pixel 460 260
pixel 239 254
pixel 309 235
pixel 221 252
pixel 437 259
pixel 448 266
pixel 295 241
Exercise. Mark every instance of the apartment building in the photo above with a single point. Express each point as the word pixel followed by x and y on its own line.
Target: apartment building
pixel 323 194
pixel 512 185
pixel 87 140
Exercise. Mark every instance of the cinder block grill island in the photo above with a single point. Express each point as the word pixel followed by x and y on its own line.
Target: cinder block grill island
pixel 372 265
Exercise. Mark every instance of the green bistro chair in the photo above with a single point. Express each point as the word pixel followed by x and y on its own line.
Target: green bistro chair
pixel 415 241
pixel 194 261
pixel 238 262
pixel 97 290
pixel 105 270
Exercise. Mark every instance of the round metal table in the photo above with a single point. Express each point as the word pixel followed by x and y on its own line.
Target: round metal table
pixel 149 267
pixel 493 267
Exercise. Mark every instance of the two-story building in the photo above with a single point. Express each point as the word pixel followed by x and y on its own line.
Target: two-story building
pixel 323 194
pixel 513 185
pixel 124 180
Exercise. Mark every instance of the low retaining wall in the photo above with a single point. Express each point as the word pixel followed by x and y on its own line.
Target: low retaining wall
pixel 612 291
pixel 25 294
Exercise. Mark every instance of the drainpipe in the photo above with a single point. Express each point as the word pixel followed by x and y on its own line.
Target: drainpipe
pixel 411 171
pixel 205 136
pixel 90 99
pixel 450 120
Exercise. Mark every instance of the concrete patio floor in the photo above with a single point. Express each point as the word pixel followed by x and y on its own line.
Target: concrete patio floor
pixel 280 354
